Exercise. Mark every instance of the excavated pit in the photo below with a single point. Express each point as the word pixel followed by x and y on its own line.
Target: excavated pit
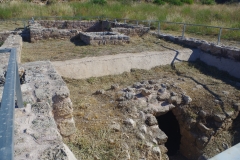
pixel 169 125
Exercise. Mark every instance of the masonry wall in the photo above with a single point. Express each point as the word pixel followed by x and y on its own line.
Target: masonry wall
pixel 13 41
pixel 129 30
pixel 101 38
pixel 85 26
pixel 44 29
pixel 4 35
pixel 220 51
pixel 52 33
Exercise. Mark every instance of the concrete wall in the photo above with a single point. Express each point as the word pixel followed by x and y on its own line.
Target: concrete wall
pixel 117 64
pixel 224 64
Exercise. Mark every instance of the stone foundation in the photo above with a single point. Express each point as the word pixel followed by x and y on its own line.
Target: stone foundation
pixel 98 38
pixel 47 113
pixel 37 32
pixel 4 35
pixel 70 29
pixel 130 30
pixel 214 49
pixel 84 26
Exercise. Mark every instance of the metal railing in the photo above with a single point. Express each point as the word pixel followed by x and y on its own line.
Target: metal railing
pixel 184 25
pixel 11 86
pixel 136 22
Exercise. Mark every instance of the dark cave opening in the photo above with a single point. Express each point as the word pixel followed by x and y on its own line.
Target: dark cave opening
pixel 169 125
pixel 236 130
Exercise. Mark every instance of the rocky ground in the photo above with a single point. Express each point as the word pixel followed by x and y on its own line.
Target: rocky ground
pixel 116 116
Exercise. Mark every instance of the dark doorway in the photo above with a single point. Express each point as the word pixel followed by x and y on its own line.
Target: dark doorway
pixel 236 130
pixel 169 125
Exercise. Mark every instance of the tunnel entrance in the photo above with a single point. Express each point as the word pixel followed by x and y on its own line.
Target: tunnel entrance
pixel 169 125
pixel 236 130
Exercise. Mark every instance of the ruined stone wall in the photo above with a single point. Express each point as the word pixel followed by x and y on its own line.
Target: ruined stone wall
pixel 44 29
pixel 214 49
pixel 52 33
pixel 4 35
pixel 13 41
pixel 47 112
pixel 85 26
pixel 103 38
pixel 130 30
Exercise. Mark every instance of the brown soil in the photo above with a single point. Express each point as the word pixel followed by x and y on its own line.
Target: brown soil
pixel 59 50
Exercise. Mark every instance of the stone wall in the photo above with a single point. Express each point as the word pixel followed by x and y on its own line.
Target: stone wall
pixel 44 29
pixel 14 41
pixel 214 49
pixel 44 84
pixel 37 34
pixel 130 30
pixel 4 35
pixel 85 26
pixel 103 38
pixel 47 113
pixel 36 134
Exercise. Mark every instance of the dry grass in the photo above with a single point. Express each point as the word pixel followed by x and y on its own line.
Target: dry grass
pixel 93 113
pixel 217 15
pixel 10 25
pixel 58 50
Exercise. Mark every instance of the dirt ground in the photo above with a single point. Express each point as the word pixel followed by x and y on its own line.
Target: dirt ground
pixel 8 25
pixel 59 50
pixel 93 113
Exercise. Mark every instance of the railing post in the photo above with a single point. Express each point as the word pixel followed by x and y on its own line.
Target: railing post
pixel 183 31
pixel 149 23
pixel 124 21
pixel 18 87
pixel 158 27
pixel 219 36
pixel 137 23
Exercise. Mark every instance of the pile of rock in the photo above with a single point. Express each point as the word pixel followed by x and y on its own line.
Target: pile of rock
pixel 142 102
